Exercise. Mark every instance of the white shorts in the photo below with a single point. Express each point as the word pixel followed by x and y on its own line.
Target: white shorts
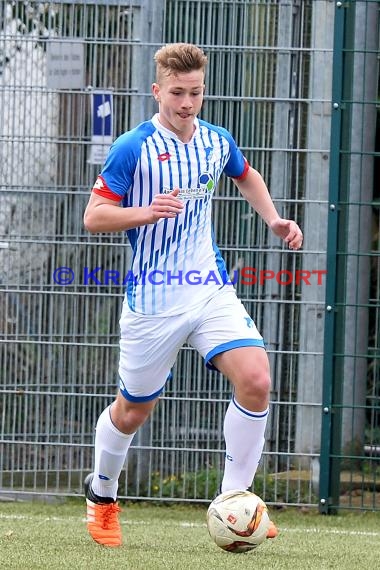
pixel 149 344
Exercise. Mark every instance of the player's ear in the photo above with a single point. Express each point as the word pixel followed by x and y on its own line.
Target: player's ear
pixel 156 91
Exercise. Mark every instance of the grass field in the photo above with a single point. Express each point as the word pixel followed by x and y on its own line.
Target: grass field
pixel 35 535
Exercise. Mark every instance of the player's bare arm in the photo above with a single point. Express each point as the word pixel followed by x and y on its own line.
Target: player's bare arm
pixel 105 215
pixel 255 191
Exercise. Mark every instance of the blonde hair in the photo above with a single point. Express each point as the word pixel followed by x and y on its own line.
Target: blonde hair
pixel 179 58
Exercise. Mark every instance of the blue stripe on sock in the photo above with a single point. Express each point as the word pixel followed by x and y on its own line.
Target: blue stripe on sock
pixel 257 415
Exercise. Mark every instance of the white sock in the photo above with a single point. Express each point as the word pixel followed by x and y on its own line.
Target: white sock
pixel 111 447
pixel 244 435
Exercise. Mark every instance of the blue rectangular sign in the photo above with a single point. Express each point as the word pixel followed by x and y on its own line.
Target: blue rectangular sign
pixel 102 114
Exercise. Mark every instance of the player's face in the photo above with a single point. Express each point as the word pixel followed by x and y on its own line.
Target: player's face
pixel 180 99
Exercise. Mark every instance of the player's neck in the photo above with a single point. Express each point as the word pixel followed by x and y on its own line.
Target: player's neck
pixel 184 135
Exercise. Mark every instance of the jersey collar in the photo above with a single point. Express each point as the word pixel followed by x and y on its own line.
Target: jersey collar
pixel 168 133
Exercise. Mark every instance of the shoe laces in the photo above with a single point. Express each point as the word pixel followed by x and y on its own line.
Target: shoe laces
pixel 110 515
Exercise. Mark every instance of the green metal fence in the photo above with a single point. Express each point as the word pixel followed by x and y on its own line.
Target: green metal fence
pixel 296 82
pixel 350 452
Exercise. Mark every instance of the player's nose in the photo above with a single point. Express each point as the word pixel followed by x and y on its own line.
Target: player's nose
pixel 186 103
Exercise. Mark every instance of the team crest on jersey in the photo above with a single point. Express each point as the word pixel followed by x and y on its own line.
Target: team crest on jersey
pixel 206 181
pixel 209 152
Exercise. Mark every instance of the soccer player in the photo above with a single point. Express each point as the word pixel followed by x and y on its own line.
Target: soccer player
pixel 157 185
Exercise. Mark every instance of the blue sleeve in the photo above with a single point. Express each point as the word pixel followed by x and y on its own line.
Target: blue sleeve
pixel 120 165
pixel 236 165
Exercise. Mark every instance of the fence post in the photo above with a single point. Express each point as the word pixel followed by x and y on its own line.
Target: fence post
pixel 314 220
pixel 147 35
pixel 332 237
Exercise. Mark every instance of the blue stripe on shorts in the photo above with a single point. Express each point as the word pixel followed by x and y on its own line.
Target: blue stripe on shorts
pixel 229 346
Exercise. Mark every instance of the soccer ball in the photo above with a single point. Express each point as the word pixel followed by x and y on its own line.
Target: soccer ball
pixel 238 521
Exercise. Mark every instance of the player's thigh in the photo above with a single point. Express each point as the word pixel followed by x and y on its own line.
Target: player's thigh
pixel 247 368
pixel 148 349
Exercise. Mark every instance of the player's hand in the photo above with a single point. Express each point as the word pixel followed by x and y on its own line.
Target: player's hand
pixel 166 206
pixel 289 231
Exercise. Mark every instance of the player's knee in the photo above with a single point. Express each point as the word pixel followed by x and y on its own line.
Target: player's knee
pixel 256 384
pixel 128 417
pixel 135 418
pixel 131 421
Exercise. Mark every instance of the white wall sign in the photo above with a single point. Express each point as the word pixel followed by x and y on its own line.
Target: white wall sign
pixel 65 64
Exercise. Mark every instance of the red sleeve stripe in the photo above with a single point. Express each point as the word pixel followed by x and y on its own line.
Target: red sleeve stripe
pixel 100 187
pixel 245 171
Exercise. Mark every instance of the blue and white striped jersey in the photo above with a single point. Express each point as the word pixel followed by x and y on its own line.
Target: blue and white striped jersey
pixel 176 264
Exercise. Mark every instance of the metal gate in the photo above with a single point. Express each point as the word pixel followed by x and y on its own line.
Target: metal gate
pixel 75 75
